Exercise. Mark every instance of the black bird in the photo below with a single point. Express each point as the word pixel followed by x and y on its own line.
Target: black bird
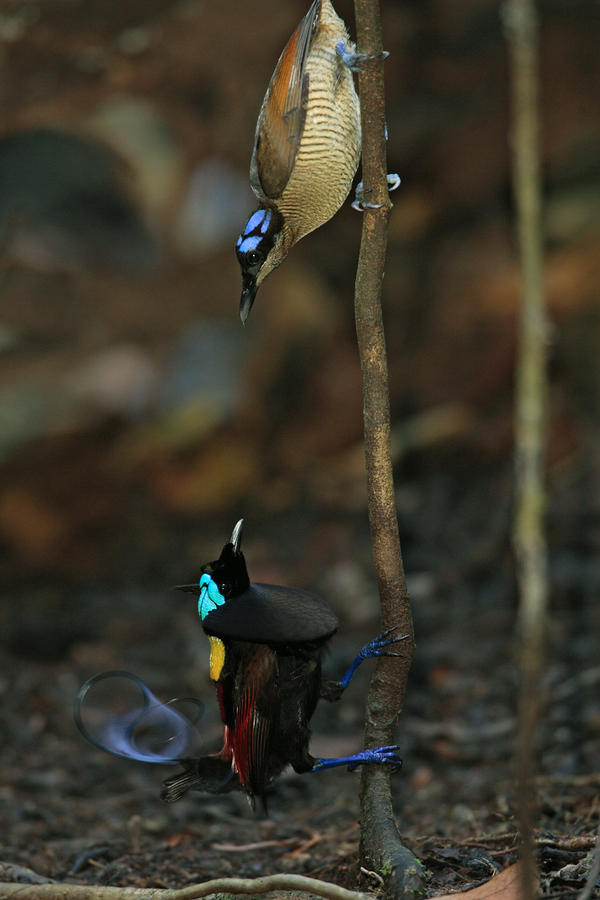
pixel 266 647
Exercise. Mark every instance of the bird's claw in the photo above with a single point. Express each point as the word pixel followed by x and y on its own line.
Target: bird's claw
pixel 372 649
pixel 380 755
pixel 375 647
pixel 355 60
pixel 360 204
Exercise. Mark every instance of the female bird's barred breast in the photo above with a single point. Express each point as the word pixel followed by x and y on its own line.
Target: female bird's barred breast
pixel 329 151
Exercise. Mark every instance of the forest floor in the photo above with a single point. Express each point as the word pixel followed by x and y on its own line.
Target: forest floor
pixel 72 813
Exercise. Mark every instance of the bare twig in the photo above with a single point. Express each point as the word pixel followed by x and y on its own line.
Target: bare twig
pixel 374 875
pixel 380 845
pixel 522 34
pixel 216 886
pixel 255 845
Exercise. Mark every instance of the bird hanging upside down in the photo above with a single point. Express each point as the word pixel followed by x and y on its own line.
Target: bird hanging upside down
pixel 266 646
pixel 307 145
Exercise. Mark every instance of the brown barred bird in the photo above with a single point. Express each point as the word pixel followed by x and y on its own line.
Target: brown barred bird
pixel 306 147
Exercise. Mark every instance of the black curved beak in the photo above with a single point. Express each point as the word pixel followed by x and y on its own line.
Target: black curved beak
pixel 249 289
pixel 187 588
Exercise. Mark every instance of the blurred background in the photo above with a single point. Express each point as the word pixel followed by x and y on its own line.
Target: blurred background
pixel 139 420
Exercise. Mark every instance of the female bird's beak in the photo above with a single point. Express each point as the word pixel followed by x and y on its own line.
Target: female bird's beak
pixel 249 289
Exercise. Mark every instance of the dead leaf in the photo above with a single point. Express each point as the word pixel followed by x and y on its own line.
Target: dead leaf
pixel 505 886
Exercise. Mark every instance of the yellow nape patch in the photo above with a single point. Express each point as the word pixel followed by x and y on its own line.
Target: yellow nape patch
pixel 217 657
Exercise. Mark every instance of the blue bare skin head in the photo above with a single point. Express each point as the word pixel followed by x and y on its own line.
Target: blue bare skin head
pixel 259 250
pixel 210 596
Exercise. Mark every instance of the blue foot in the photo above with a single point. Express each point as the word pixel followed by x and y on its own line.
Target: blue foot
pixel 380 755
pixel 354 60
pixel 376 647
pixel 360 204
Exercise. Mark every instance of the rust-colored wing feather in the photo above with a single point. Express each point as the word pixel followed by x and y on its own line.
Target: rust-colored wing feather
pixel 281 119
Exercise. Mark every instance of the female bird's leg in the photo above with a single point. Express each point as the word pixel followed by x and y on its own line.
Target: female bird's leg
pixel 360 204
pixel 388 755
pixel 333 690
pixel 353 60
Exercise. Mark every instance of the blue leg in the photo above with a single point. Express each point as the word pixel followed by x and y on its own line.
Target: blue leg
pixel 354 60
pixel 381 755
pixel 376 647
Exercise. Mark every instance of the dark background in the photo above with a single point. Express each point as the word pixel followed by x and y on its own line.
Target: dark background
pixel 139 421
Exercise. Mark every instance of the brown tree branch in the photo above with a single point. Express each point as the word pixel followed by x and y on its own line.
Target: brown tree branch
pixel 521 24
pixel 381 848
pixel 252 886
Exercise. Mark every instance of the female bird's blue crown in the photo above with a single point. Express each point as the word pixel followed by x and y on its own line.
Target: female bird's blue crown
pixel 252 249
pixel 253 245
pixel 255 229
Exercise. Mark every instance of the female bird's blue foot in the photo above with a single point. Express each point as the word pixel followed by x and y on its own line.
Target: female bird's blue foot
pixel 380 755
pixel 354 60
pixel 377 647
pixel 360 204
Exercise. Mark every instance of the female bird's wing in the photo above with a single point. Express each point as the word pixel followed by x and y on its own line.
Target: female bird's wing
pixel 281 120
